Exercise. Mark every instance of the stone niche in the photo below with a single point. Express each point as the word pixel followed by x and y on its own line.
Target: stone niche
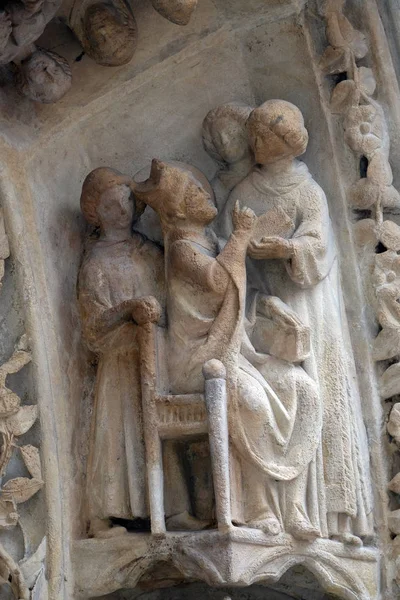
pixel 122 117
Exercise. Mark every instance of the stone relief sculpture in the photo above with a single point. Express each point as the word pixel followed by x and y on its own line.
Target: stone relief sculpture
pixel 121 275
pixel 188 348
pixel 295 243
pixel 266 449
pixel 282 399
pixel 294 315
pixel 41 75
pixel 107 299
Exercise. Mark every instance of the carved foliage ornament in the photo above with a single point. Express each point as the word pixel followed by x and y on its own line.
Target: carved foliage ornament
pixel 15 421
pixel 366 133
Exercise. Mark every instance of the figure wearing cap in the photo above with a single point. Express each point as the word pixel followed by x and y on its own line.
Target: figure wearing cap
pixel 119 268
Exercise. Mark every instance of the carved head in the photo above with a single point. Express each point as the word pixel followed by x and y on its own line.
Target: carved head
pixel 44 77
pixel 178 192
pixel 224 132
pixel 276 130
pixel 109 33
pixel 176 11
pixel 107 199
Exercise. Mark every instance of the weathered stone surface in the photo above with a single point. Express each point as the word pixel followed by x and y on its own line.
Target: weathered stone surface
pixel 210 399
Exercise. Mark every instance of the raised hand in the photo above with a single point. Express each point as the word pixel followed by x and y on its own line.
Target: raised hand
pixel 243 219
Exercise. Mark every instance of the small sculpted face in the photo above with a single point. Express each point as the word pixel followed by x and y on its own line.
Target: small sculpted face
pixel 110 36
pixel 229 139
pixel 267 147
pixel 199 204
pixel 44 77
pixel 115 209
pixel 178 195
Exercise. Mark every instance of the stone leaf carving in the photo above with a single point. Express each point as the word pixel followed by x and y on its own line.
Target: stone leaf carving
pixel 345 42
pixel 16 420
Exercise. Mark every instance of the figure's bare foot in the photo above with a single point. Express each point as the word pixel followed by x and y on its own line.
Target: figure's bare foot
pixel 348 538
pixel 185 522
pixel 269 525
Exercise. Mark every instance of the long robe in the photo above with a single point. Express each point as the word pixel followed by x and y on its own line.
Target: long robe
pixel 269 417
pixel 111 274
pixel 309 283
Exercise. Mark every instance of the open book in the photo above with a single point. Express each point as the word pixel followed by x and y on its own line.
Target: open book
pixel 274 222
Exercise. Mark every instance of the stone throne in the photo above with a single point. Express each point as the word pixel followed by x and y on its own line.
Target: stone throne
pixel 167 416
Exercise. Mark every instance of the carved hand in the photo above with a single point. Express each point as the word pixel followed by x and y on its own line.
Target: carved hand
pixel 146 310
pixel 243 219
pixel 270 247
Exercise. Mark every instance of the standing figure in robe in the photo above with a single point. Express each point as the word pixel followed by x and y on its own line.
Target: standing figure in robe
pixel 119 270
pixel 296 260
pixel 271 409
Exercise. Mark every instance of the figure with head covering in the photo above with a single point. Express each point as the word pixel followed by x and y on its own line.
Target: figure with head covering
pixel 106 29
pixel 225 140
pixel 295 259
pixel 44 77
pixel 119 271
pixel 272 408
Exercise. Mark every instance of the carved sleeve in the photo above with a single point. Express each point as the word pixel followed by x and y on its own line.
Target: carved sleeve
pixel 100 316
pixel 313 245
pixel 200 268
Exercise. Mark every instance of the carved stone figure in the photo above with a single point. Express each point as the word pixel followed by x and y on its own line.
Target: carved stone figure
pixel 299 265
pixel 41 75
pixel 106 30
pixel 225 139
pixel 272 409
pixel 21 23
pixel 117 269
pixel 44 77
pixel 119 273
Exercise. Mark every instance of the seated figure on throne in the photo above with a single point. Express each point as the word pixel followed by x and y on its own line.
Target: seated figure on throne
pixel 272 409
